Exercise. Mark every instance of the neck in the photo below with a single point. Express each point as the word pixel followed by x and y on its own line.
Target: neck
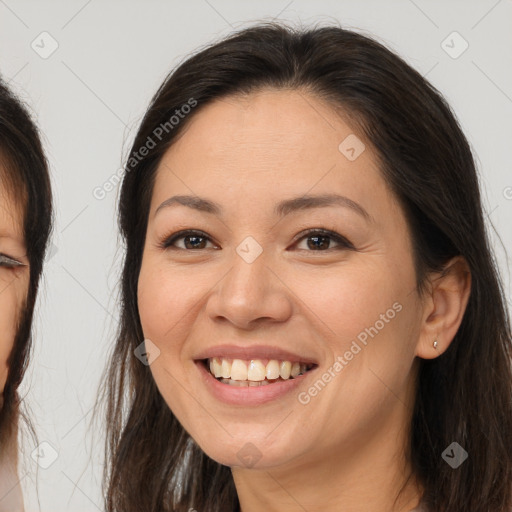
pixel 11 498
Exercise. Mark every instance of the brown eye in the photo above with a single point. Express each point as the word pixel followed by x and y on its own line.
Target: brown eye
pixel 192 240
pixel 319 240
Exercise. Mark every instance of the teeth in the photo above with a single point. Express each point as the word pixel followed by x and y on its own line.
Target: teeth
pixel 273 369
pixel 216 367
pixel 256 370
pixel 226 369
pixel 255 373
pixel 238 370
pixel 244 383
pixel 285 369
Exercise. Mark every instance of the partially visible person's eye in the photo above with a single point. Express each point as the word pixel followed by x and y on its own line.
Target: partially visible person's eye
pixel 8 262
pixel 321 240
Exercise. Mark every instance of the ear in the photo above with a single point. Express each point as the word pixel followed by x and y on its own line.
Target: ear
pixel 444 307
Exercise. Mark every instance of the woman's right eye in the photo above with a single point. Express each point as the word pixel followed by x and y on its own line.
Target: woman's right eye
pixel 8 262
pixel 192 240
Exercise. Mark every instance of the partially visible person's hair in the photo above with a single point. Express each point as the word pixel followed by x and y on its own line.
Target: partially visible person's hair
pixel 25 177
pixel 464 395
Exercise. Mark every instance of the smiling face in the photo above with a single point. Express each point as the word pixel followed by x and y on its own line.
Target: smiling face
pixel 253 282
pixel 14 276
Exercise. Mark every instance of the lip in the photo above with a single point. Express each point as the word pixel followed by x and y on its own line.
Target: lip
pixel 254 352
pixel 250 395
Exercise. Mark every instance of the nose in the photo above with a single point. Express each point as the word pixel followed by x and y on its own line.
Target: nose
pixel 250 293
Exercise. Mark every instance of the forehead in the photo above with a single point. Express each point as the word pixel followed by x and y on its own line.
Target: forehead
pixel 270 142
pixel 264 127
pixel 11 214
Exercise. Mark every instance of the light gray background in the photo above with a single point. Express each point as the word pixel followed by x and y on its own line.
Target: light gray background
pixel 89 96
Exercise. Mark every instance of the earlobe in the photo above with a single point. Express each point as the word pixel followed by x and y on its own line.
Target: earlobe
pixel 444 309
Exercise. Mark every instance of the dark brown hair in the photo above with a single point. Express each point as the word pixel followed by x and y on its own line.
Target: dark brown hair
pixel 464 395
pixel 24 174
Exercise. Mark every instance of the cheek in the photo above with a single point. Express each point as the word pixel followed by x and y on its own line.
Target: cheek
pixel 165 303
pixel 367 317
pixel 153 301
pixel 8 315
pixel 164 299
pixel 346 300
pixel 365 314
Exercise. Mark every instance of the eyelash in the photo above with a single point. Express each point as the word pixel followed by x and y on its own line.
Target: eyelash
pixel 8 262
pixel 344 243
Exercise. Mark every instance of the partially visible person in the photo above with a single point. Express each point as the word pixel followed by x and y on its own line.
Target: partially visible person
pixel 26 220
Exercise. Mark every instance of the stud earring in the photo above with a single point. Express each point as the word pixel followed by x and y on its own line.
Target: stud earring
pixel 435 344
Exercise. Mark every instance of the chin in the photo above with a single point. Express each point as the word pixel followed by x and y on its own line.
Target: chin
pixel 244 452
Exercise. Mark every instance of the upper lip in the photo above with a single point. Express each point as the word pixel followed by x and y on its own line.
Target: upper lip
pixel 254 352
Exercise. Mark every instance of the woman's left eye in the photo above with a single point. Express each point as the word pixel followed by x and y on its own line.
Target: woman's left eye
pixel 320 239
pixel 8 262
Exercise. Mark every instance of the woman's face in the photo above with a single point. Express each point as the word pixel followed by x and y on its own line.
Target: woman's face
pixel 14 278
pixel 254 286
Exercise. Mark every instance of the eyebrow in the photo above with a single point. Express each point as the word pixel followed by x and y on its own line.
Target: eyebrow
pixel 281 209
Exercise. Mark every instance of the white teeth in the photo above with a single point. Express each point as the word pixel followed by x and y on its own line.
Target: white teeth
pixel 216 367
pixel 272 369
pixel 285 369
pixel 255 371
pixel 226 369
pixel 238 370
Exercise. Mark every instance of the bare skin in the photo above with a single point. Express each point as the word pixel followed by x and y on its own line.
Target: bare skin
pixel 14 278
pixel 343 449
pixel 14 282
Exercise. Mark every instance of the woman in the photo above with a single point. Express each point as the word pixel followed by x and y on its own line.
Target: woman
pixel 311 314
pixel 25 225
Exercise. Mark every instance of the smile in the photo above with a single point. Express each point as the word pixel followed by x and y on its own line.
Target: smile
pixel 254 372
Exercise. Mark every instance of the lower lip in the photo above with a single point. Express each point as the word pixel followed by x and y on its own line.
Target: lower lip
pixel 249 395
